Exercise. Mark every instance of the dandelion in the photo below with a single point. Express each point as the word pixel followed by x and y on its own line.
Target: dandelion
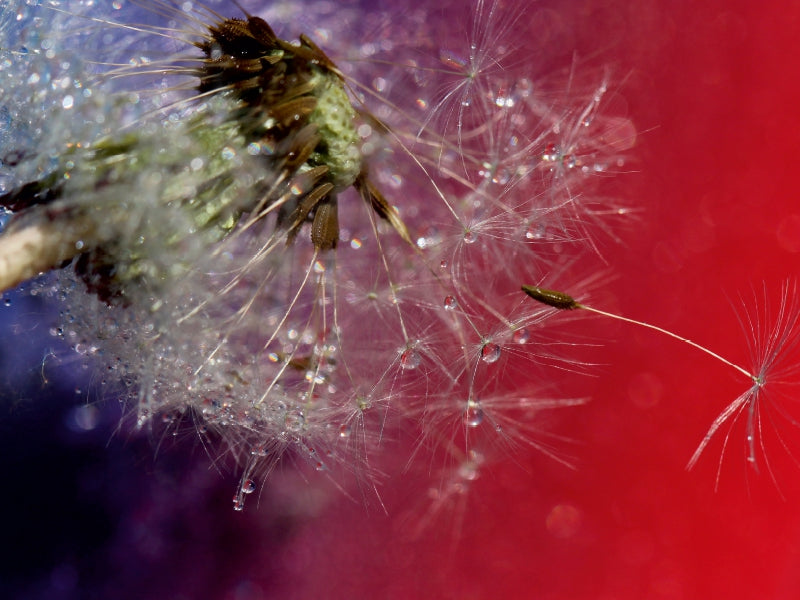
pixel 282 243
pixel 773 352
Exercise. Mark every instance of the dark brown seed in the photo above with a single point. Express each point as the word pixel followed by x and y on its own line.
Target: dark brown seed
pixel 558 300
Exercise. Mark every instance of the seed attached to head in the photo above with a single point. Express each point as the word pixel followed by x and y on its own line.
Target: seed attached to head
pixel 287 97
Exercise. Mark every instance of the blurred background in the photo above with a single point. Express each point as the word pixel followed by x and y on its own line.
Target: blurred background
pixel 92 511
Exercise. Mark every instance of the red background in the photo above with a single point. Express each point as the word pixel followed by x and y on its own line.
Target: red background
pixel 712 88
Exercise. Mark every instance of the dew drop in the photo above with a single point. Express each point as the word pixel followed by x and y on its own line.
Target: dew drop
pixel 259 450
pixel 536 232
pixel 450 303
pixel 345 430
pixel 490 352
pixel 248 486
pixel 294 421
pixel 473 413
pixel 502 177
pixel 521 336
pixel 83 418
pixel 410 359
pixel 238 503
pixel 470 237
pixel 468 470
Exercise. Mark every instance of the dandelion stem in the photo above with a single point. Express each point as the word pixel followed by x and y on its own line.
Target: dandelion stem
pixel 563 301
pixel 39 247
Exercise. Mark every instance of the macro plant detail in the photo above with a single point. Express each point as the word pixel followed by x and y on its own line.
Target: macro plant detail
pixel 312 247
pixel 773 353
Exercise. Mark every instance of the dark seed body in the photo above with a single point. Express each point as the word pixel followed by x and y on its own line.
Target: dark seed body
pixel 293 100
pixel 288 99
pixel 558 300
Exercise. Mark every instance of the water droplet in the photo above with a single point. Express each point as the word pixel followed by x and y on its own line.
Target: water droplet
pixel 294 421
pixel 502 177
pixel 410 359
pixel 248 486
pixel 83 418
pixel 450 302
pixel 521 336
pixel 504 101
pixel 490 352
pixel 259 450
pixel 468 470
pixel 453 60
pixel 345 430
pixel 537 231
pixel 469 237
pixel 550 153
pixel 473 413
pixel 238 503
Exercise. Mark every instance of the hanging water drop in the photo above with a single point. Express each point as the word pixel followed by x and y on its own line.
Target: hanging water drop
pixel 450 303
pixel 490 352
pixel 469 470
pixel 248 486
pixel 410 359
pixel 521 336
pixel 294 421
pixel 473 413
pixel 259 450
pixel 537 231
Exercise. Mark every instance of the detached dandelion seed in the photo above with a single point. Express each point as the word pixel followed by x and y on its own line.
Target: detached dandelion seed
pixel 774 341
pixel 773 353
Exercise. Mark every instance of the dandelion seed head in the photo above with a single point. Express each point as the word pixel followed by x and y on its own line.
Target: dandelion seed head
pixel 199 300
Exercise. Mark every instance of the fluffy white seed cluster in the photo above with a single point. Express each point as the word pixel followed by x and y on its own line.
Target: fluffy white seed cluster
pixel 493 164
